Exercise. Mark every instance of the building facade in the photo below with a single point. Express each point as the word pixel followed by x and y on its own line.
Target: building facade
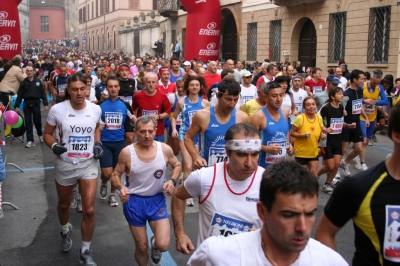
pixel 101 20
pixel 47 19
pixel 23 12
pixel 71 18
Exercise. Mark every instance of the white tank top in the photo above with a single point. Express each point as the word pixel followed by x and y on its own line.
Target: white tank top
pixel 146 179
pixel 77 132
pixel 226 212
pixel 287 102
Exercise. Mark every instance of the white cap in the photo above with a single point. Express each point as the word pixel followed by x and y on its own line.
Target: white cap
pixel 187 63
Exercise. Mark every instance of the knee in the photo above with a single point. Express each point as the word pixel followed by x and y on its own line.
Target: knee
pixel 142 249
pixel 63 206
pixel 359 148
pixel 88 212
pixel 162 244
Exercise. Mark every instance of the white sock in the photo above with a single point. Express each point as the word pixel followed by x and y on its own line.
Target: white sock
pixel 65 229
pixel 85 246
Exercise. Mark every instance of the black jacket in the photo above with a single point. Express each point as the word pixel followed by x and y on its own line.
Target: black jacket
pixel 31 91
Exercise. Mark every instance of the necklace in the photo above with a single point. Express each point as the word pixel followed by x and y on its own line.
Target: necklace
pixel 265 253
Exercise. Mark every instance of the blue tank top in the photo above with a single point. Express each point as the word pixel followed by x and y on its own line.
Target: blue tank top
pixel 212 143
pixel 173 78
pixel 188 111
pixel 275 132
pixel 114 115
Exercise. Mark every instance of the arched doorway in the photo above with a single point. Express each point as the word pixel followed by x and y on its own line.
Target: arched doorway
pixel 308 45
pixel 229 36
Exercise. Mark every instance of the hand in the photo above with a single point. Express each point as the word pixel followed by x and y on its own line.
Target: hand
pixel 184 245
pixel 329 130
pixel 307 135
pixel 123 194
pixel 98 150
pixel 274 149
pixel 46 108
pixel 289 150
pixel 352 125
pixel 133 119
pixel 367 123
pixel 369 101
pixel 55 94
pixel 323 135
pixel 17 110
pixel 199 163
pixel 174 134
pixel 386 115
pixel 58 148
pixel 168 187
pixel 344 113
pixel 102 125
pixel 155 117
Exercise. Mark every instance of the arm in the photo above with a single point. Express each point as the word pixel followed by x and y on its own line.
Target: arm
pixel 295 134
pixel 48 135
pixel 43 95
pixel 326 232
pixel 97 133
pixel 194 129
pixel 19 97
pixel 20 76
pixel 173 118
pixel 176 169
pixel 242 117
pixel 384 100
pixel 294 110
pixel 122 166
pixel 365 116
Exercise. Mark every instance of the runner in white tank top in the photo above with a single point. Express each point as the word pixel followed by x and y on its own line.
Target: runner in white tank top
pixel 228 192
pixel 144 188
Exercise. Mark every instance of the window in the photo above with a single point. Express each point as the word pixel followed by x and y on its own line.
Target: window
pixel 252 41
pixel 113 5
pixel 84 13
pixel 97 8
pixel 337 36
pixel 93 10
pixel 378 35
pixel 275 40
pixel 107 6
pixel 101 7
pixel 115 41
pixel 155 5
pixel 44 24
pixel 80 15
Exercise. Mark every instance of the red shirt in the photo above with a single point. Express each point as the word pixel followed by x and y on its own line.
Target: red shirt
pixel 148 105
pixel 319 86
pixel 210 80
pixel 263 79
pixel 170 88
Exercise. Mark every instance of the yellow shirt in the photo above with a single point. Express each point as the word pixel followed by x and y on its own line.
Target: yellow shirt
pixel 307 147
pixel 371 111
pixel 251 107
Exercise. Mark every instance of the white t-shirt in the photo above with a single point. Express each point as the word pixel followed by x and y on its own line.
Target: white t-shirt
pixel 299 98
pixel 245 249
pixel 343 83
pixel 247 94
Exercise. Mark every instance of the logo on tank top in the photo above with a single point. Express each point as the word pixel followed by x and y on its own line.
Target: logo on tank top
pixel 214 125
pixel 158 174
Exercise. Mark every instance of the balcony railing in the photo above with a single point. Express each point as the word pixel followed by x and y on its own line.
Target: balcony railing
pixel 293 2
pixel 169 8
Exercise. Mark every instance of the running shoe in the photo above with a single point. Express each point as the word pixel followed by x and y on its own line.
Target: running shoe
pixel 86 258
pixel 30 144
pixel 327 189
pixel 336 180
pixel 103 192
pixel 364 167
pixel 41 139
pixel 79 205
pixel 189 202
pixel 73 202
pixel 112 201
pixel 370 143
pixel 357 163
pixel 374 139
pixel 345 168
pixel 156 255
pixel 66 241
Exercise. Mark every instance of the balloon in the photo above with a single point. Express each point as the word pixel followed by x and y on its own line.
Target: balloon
pixel 7 131
pixel 11 117
pixel 19 123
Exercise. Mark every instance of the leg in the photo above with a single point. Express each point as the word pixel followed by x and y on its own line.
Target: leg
pixel 357 147
pixel 174 144
pixel 87 189
pixel 313 166
pixel 28 123
pixel 64 200
pixel 161 230
pixel 187 164
pixel 141 244
pixel 37 120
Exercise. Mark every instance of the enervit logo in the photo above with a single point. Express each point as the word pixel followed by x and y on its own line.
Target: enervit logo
pixel 211 30
pixel 210 51
pixel 3 14
pixel 5 43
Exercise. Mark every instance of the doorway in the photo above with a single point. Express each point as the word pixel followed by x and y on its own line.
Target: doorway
pixel 229 36
pixel 308 45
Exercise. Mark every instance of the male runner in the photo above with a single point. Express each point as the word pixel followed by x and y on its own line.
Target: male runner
pixel 227 191
pixel 144 163
pixel 175 72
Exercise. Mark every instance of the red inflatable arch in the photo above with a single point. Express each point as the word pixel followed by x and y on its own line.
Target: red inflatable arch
pixel 10 32
pixel 202 29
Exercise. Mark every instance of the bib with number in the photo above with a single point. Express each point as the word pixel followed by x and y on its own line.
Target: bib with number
pixel 61 89
pixel 336 125
pixel 149 112
pixel 128 99
pixel 369 109
pixel 225 226
pixel 113 120
pixel 391 241
pixel 317 89
pixel 191 114
pixel 247 98
pixel 272 158
pixel 216 155
pixel 299 107
pixel 356 107
pixel 78 146
pixel 45 73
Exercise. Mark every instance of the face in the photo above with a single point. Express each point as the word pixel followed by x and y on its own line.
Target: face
pixel 87 95
pixel 151 83
pixel 63 71
pixel 88 70
pixel 145 133
pixel 148 67
pixel 175 65
pixel 180 88
pixel 318 74
pixel 398 84
pixel 284 86
pixel 360 81
pixel 242 164
pixel 99 72
pixel 88 83
pixel 275 71
pixel 290 71
pixel 274 98
pixel 247 80
pixel 77 90
pixel 56 64
pixel 290 221
pixel 113 88
pixel 239 65
pixel 186 68
pixel 338 96
pixel 227 102
pixel 296 83
pixel 165 76
pixel 124 72
pixel 339 72
pixel 29 72
pixel 212 67
pixel 194 87
pixel 202 71
pixel 310 106
pixel 138 62
pixel 198 66
pixel 230 65
pixel 375 80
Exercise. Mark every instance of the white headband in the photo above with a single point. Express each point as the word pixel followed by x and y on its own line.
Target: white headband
pixel 247 145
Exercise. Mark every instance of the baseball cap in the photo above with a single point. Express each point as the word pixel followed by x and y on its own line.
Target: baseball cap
pixel 334 79
pixel 296 77
pixel 246 73
pixel 187 63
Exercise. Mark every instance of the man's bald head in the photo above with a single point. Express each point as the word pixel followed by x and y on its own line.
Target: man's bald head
pixel 212 67
pixel 230 64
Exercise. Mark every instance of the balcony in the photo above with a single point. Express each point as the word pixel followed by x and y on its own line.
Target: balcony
pixel 293 2
pixel 169 8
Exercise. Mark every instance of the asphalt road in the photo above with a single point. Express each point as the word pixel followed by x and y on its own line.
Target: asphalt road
pixel 30 236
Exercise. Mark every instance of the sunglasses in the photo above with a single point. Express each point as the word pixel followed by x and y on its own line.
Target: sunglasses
pixel 249 77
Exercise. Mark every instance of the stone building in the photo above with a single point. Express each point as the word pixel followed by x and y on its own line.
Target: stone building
pixel 71 19
pixel 47 19
pixel 23 12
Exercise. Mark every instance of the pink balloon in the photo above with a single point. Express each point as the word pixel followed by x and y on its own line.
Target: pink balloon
pixel 11 117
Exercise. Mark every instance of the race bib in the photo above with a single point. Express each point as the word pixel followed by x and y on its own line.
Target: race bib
pixel 128 99
pixel 336 125
pixel 45 73
pixel 317 89
pixel 78 146
pixel 247 98
pixel 222 225
pixel 272 158
pixel 356 107
pixel 191 114
pixel 113 120
pixel 391 242
pixel 216 155
pixel 369 109
pixel 299 107
pixel 179 119
pixel 149 112
pixel 61 89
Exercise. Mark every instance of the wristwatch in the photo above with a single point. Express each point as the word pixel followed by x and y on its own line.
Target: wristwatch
pixel 159 117
pixel 174 181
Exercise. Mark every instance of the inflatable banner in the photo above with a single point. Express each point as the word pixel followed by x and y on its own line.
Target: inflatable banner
pixel 202 29
pixel 10 32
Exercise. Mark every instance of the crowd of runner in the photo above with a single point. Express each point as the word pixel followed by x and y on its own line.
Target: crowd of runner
pixel 230 121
